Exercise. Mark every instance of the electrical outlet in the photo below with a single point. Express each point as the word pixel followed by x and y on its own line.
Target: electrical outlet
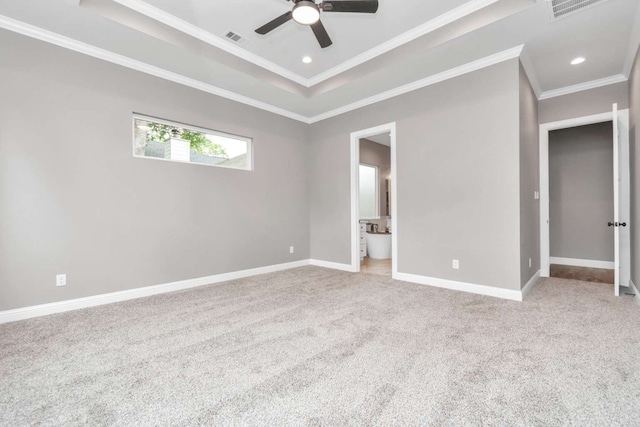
pixel 61 280
pixel 290 249
pixel 455 264
pixel 529 262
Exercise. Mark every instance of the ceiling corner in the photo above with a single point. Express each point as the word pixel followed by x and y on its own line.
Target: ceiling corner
pixel 634 44
pixel 530 70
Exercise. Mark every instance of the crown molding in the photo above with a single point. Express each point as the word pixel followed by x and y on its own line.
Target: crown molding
pixel 105 55
pixel 428 81
pixel 211 39
pixel 529 69
pixel 634 44
pixel 617 78
pixel 419 31
pixel 96 52
pixel 181 25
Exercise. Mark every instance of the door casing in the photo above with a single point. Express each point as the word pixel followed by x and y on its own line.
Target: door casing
pixel 355 162
pixel 545 128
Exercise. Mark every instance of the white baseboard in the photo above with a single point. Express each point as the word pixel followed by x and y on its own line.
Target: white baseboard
pixel 531 283
pixel 92 301
pixel 461 286
pixel 582 262
pixel 333 265
pixel 634 289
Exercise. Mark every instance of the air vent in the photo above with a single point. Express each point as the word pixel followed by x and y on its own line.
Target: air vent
pixel 563 8
pixel 236 38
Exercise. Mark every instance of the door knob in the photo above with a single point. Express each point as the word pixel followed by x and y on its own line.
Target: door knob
pixel 617 224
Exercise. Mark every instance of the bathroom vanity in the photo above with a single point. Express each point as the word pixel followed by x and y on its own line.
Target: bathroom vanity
pixel 363 240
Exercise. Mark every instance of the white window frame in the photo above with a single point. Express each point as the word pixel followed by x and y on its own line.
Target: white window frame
pixel 248 140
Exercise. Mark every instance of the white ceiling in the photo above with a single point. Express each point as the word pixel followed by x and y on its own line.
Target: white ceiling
pixel 406 42
pixel 352 33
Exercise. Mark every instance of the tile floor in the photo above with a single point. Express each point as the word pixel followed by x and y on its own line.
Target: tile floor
pixel 376 266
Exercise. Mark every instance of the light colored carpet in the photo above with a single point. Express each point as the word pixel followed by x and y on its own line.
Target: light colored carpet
pixel 312 346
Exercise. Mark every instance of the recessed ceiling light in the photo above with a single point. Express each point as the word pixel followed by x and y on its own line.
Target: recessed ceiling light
pixel 578 60
pixel 307 60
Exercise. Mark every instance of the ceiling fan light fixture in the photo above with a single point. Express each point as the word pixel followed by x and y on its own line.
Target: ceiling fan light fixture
pixel 306 12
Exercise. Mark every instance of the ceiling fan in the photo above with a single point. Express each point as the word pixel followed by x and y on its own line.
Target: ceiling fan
pixel 307 12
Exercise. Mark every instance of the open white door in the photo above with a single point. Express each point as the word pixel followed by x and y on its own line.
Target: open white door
pixel 616 199
pixel 622 198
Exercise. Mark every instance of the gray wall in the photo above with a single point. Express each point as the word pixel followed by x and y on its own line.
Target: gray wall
pixel 529 180
pixel 581 192
pixel 634 141
pixel 584 103
pixel 74 200
pixel 379 155
pixel 457 178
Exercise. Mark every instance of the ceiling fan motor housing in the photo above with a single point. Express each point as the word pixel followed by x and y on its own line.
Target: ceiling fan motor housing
pixel 306 12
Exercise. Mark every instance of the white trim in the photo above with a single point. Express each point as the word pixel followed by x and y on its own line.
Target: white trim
pixel 105 55
pixel 545 257
pixel 634 44
pixel 582 262
pixel 205 36
pixel 92 301
pixel 209 38
pixel 247 140
pixel 419 31
pixel 578 121
pixel 543 161
pixel 544 177
pixel 354 142
pixel 393 144
pixel 428 81
pixel 96 52
pixel 634 289
pixel 616 199
pixel 618 78
pixel 461 286
pixel 529 69
pixel 531 283
pixel 331 265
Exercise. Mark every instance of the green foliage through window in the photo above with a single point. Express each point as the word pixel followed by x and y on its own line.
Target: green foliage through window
pixel 199 142
pixel 166 140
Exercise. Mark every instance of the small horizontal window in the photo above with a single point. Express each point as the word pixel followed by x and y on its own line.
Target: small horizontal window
pixel 165 140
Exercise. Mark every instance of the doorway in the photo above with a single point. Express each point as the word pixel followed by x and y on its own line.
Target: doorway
pixel 614 229
pixel 373 201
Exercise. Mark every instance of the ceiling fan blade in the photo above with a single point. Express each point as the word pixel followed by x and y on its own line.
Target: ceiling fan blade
pixel 358 6
pixel 270 26
pixel 321 34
